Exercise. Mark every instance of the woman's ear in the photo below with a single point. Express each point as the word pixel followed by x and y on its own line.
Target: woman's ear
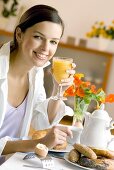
pixel 19 35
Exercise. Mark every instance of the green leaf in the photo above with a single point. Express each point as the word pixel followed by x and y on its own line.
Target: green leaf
pixel 5 13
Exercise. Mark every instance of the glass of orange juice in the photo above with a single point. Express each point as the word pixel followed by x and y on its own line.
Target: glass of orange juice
pixel 60 65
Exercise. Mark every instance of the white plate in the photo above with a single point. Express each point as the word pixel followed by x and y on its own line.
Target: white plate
pixel 68 149
pixel 66 158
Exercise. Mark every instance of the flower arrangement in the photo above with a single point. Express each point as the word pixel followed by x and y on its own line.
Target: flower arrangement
pixel 99 29
pixel 84 92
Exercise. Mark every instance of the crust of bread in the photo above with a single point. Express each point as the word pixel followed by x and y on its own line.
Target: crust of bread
pixel 85 150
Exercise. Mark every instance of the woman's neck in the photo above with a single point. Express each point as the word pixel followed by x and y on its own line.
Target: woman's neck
pixel 17 67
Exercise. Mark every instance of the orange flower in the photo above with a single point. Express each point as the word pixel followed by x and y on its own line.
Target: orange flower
pixel 93 89
pixel 70 91
pixel 86 84
pixel 109 98
pixel 87 92
pixel 80 92
pixel 77 81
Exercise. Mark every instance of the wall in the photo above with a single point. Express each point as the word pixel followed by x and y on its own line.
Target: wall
pixel 79 15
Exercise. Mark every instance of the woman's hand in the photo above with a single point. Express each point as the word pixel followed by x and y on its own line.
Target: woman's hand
pixel 69 81
pixel 56 135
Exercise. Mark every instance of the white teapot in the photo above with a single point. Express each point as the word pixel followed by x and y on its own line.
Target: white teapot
pixel 96 131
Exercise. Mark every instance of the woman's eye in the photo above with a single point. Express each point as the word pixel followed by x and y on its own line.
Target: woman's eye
pixel 54 42
pixel 37 37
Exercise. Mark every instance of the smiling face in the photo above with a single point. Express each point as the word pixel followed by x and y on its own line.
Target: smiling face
pixel 38 43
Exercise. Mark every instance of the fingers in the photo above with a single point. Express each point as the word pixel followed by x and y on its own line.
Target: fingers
pixel 69 133
pixel 65 130
pixel 60 138
pixel 60 133
pixel 56 135
pixel 68 81
pixel 71 72
pixel 73 65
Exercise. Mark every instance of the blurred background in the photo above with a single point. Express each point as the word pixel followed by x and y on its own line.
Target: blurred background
pixel 94 56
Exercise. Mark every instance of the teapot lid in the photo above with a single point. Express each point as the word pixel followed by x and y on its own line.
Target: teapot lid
pixel 101 113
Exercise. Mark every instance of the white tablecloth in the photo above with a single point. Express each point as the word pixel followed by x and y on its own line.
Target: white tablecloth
pixel 16 162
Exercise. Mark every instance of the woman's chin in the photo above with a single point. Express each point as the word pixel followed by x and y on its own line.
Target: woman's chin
pixel 39 64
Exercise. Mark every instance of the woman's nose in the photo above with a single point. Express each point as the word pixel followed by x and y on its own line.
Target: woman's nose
pixel 45 46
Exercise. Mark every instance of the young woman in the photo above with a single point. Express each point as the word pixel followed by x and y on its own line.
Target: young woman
pixel 22 95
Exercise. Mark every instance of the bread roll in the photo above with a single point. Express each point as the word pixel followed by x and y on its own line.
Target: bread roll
pixel 85 150
pixel 103 152
pixel 74 155
pixel 41 150
pixel 100 164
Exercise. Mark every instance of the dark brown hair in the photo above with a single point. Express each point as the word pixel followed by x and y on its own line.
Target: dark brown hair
pixel 36 14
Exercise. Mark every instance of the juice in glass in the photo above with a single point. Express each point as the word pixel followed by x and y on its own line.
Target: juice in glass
pixel 59 66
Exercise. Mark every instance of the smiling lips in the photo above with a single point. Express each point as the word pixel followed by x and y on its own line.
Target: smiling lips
pixel 40 56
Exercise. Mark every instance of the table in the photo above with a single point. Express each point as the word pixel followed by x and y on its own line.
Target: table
pixel 16 162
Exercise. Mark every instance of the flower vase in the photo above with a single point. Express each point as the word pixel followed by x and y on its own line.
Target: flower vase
pixel 79 108
pixel 103 43
pixel 76 122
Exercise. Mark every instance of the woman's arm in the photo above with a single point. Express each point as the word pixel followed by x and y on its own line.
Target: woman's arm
pixel 53 107
pixel 20 146
pixel 57 135
pixel 56 106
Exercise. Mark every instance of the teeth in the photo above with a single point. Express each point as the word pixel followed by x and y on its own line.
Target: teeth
pixel 42 57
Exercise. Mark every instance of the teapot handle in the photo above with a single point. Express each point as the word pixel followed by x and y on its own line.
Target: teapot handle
pixel 112 125
pixel 112 139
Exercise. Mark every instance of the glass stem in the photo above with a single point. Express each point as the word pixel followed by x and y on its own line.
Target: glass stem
pixel 60 91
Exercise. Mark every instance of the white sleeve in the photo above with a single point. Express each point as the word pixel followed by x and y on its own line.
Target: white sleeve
pixel 40 117
pixel 3 142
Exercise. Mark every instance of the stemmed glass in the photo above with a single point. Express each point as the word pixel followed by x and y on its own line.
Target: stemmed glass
pixel 60 65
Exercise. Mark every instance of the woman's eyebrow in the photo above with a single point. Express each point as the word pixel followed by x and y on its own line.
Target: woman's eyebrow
pixel 45 36
pixel 39 33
